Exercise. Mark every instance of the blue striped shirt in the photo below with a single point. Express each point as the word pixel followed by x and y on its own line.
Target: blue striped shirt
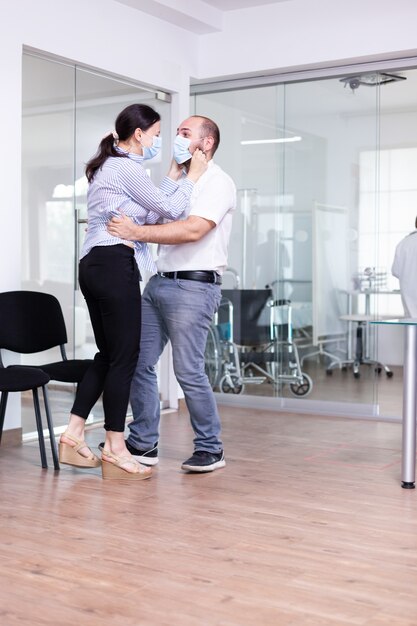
pixel 122 185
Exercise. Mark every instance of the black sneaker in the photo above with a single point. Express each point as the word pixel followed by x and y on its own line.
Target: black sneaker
pixel 146 457
pixel 203 461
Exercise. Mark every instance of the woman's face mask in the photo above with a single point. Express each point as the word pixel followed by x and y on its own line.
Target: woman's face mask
pixel 181 151
pixel 151 151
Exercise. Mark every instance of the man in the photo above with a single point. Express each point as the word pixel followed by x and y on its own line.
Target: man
pixel 179 302
pixel 404 268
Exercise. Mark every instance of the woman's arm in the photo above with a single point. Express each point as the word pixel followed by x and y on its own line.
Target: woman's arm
pixel 141 189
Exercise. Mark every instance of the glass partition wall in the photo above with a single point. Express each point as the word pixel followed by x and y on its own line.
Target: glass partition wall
pixel 325 171
pixel 325 192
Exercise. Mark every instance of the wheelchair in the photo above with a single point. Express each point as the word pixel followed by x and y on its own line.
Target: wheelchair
pixel 250 341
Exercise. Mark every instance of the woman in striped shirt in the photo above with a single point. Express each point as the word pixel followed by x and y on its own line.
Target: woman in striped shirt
pixel 109 279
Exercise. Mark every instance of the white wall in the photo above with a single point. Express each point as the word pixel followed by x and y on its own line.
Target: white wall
pixel 305 33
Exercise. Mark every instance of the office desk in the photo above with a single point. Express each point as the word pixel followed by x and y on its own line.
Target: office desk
pixel 408 457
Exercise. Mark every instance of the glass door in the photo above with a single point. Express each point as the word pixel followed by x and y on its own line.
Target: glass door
pixel 336 124
pixel 98 101
pixel 66 112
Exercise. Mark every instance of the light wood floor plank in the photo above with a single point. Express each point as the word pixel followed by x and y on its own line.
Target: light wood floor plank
pixel 306 526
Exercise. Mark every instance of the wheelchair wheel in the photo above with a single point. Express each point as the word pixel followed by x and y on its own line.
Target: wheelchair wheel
pixel 303 388
pixel 236 386
pixel 212 357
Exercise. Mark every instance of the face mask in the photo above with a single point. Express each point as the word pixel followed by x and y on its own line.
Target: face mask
pixel 150 153
pixel 181 152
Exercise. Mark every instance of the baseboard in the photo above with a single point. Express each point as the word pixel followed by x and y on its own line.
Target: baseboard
pixel 11 437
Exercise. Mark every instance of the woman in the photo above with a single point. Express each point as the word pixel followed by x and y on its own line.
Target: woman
pixel 109 280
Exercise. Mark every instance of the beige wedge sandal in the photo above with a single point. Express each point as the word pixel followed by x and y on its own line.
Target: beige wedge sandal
pixel 70 455
pixel 115 470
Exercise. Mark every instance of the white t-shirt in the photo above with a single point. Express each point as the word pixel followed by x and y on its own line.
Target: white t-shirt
pixel 214 198
pixel 404 268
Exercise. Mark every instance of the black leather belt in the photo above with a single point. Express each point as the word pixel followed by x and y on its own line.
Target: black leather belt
pixel 204 276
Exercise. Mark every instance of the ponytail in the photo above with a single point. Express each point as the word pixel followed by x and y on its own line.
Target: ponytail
pixel 106 149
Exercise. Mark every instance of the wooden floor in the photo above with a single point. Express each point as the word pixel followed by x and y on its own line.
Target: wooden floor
pixel 306 526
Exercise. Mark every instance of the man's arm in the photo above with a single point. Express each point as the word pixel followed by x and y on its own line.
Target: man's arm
pixel 184 231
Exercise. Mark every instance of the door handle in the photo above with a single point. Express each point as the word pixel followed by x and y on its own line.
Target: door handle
pixel 81 220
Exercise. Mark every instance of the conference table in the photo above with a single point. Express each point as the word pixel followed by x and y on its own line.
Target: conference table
pixel 408 456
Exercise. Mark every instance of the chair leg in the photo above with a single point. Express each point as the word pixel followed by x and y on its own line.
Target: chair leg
pixel 3 404
pixel 39 428
pixel 50 428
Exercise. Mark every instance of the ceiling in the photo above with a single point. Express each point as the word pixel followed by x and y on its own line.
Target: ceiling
pixel 233 5
pixel 200 16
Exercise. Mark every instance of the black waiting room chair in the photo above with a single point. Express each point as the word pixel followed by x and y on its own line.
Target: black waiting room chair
pixel 35 320
pixel 32 322
pixel 19 378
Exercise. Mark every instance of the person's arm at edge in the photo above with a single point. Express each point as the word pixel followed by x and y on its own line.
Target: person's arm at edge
pixel 189 230
pixel 395 268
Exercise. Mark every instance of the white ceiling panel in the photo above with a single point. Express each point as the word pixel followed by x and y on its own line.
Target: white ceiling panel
pixel 234 5
pixel 199 16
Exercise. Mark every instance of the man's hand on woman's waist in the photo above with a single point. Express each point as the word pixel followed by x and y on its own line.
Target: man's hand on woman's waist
pixel 124 228
pixel 183 231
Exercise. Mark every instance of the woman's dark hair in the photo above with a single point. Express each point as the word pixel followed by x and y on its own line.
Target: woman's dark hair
pixel 132 117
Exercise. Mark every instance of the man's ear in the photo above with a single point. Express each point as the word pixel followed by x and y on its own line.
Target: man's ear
pixel 208 143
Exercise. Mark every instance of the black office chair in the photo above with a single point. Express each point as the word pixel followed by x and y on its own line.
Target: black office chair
pixel 36 323
pixel 18 378
pixel 32 322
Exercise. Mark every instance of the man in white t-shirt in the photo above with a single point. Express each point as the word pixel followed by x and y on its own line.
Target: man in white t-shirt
pixel 179 302
pixel 404 268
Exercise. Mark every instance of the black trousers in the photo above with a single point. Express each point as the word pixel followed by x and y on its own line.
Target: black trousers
pixel 109 281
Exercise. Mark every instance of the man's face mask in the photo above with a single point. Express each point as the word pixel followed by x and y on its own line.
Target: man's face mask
pixel 181 151
pixel 153 150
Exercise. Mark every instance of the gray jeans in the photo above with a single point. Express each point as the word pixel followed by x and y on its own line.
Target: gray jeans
pixel 180 311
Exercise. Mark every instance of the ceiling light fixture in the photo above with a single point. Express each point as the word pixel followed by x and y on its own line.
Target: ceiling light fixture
pixel 253 142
